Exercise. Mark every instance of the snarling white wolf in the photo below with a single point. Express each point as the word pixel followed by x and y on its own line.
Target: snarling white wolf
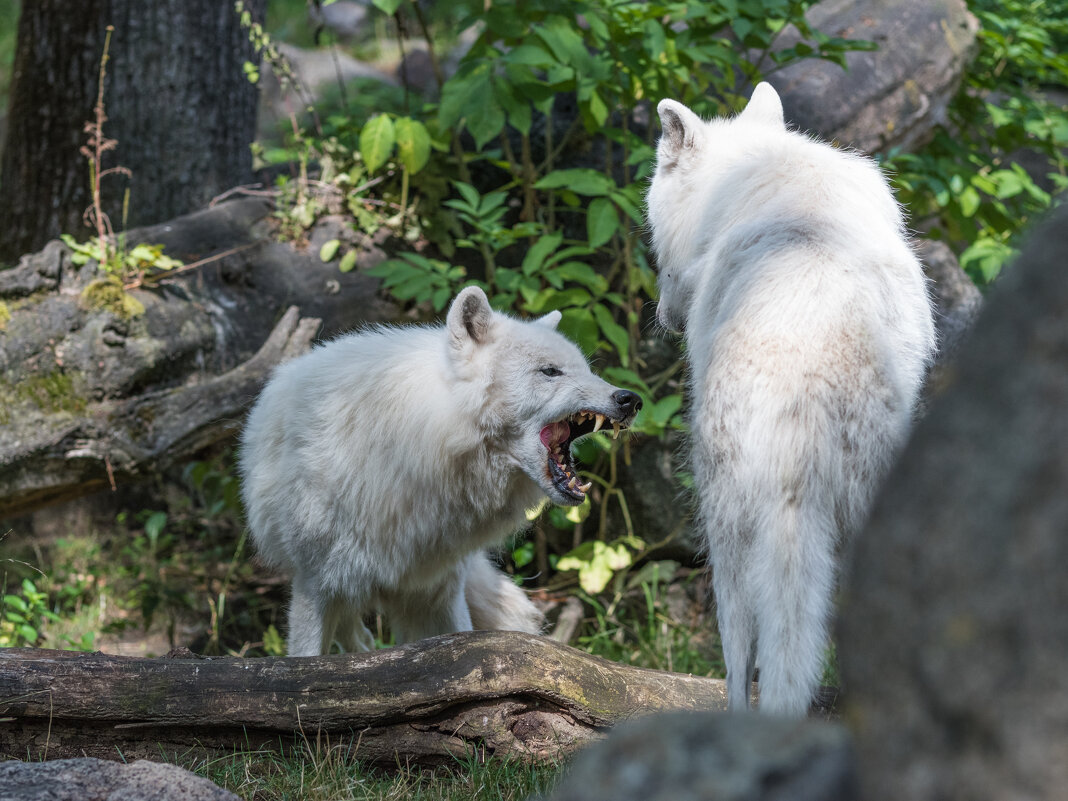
pixel 808 329
pixel 379 467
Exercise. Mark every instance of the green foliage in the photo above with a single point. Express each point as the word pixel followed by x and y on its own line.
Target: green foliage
pixel 125 265
pixel 417 279
pixel 644 620
pixel 25 615
pixel 966 181
pixel 596 561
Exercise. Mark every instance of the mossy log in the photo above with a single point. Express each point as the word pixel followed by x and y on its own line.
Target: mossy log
pixel 491 694
pixel 96 393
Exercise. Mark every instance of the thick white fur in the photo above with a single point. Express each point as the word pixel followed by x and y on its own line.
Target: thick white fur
pixel 378 467
pixel 808 328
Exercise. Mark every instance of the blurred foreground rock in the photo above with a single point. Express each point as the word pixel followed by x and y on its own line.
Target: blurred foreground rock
pixel 953 635
pixel 715 757
pixel 91 779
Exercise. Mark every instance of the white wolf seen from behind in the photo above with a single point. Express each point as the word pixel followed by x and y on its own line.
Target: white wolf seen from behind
pixel 808 328
pixel 379 466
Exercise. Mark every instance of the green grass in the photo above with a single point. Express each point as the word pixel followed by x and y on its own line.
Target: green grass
pixel 319 772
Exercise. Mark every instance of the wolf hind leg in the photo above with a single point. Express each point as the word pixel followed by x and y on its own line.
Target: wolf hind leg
pixel 736 631
pixel 311 627
pixel 428 612
pixel 495 601
pixel 352 634
pixel 798 580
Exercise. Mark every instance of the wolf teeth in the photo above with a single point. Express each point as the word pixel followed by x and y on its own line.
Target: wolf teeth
pixel 600 422
pixel 573 482
pixel 584 488
pixel 615 430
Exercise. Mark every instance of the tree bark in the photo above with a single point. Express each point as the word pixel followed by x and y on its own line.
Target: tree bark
pixel 90 397
pixel 176 94
pixel 501 694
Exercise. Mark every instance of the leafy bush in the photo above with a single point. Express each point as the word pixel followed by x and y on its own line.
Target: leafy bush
pixel 966 183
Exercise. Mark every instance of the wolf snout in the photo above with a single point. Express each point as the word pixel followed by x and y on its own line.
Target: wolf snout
pixel 628 402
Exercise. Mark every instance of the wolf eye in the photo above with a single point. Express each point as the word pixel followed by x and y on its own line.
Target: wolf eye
pixel 552 372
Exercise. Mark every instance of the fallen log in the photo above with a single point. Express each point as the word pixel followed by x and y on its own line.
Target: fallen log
pixel 490 693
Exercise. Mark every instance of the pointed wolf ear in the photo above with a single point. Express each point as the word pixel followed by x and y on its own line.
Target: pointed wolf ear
pixel 469 317
pixel 550 320
pixel 764 106
pixel 680 127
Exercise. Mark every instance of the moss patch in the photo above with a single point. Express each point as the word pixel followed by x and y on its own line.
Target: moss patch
pixel 51 392
pixel 5 315
pixel 107 294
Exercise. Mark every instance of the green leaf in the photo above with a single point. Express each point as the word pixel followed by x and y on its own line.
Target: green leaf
pixel 516 106
pixel 602 221
pixel 154 525
pixel 16 602
pixel 465 94
pixel 348 262
pixel 376 141
pixel 523 555
pixel 441 297
pixel 969 201
pixel 413 144
pixel 625 378
pixel 597 109
pixel 538 252
pixel 665 408
pixel 487 123
pixel 613 332
pixel 387 6
pixel 469 193
pixel 582 180
pixel 329 250
pixel 580 327
pixel 551 299
pixel 563 39
pixel 529 54
pixel 579 273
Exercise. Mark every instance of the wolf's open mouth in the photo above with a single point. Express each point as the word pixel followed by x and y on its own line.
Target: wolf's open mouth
pixel 558 438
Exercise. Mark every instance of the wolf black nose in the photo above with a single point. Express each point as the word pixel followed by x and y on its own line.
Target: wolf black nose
pixel 628 402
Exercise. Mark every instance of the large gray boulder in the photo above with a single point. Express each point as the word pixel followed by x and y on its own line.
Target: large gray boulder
pixel 954 631
pixel 101 780
pixel 892 96
pixel 715 757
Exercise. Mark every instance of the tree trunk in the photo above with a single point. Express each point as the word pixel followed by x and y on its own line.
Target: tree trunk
pixel 91 396
pixel 177 101
pixel 495 693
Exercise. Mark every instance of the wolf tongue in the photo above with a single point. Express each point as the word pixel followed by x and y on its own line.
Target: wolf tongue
pixel 554 433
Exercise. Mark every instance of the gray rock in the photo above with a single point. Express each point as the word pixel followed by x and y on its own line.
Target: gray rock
pixel 101 780
pixel 957 299
pixel 345 18
pixel 317 71
pixel 715 757
pixel 954 632
pixel 889 97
